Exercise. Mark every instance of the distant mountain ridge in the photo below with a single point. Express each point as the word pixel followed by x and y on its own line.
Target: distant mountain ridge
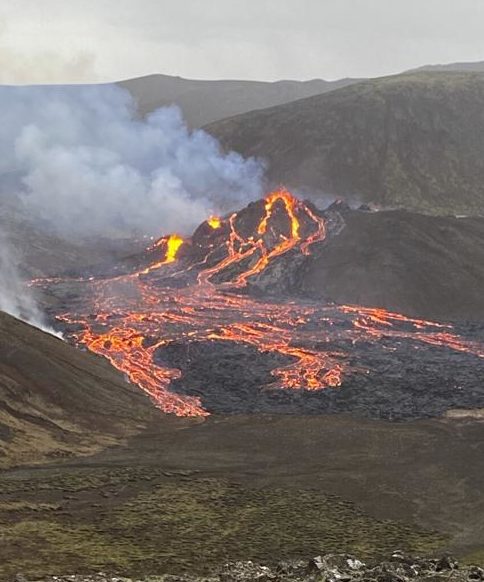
pixel 477 66
pixel 411 141
pixel 204 102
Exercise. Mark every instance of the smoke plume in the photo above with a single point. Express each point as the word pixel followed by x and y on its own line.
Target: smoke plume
pixel 85 165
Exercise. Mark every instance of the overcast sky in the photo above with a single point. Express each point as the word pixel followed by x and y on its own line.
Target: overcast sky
pixel 64 41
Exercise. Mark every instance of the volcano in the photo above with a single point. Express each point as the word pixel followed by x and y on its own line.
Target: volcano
pixel 218 323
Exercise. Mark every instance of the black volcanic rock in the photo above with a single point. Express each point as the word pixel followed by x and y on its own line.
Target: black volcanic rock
pixel 349 360
pixel 423 266
pixel 229 378
pixel 408 382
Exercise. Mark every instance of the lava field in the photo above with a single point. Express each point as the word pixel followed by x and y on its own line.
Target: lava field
pixel 214 323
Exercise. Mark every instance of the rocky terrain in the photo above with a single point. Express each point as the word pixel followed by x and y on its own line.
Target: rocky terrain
pixel 411 141
pixel 328 568
pixel 233 379
pixel 423 266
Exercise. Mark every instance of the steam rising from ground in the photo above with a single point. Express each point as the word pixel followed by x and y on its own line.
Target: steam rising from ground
pixel 15 297
pixel 84 165
pixel 77 162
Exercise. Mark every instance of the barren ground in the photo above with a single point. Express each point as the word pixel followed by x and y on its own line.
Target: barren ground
pixel 269 487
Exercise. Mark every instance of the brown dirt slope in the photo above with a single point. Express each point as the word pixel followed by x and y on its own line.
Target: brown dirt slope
pixel 56 400
pixel 412 141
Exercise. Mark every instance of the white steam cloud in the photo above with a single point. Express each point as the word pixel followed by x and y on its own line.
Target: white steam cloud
pixel 15 297
pixel 78 162
pixel 85 165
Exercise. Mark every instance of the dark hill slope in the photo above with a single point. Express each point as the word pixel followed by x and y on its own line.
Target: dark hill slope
pixel 420 265
pixel 203 102
pixel 424 266
pixel 56 400
pixel 413 141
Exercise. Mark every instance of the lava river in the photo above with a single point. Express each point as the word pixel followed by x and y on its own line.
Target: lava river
pixel 197 290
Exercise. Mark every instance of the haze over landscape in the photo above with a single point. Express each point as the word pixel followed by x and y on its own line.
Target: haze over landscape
pixel 241 291
pixel 56 42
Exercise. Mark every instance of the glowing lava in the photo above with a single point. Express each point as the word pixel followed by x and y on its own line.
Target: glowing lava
pixel 129 318
pixel 173 243
pixel 214 222
pixel 240 249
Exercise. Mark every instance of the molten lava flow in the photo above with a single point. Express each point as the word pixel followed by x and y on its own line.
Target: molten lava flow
pixel 124 348
pixel 240 249
pixel 290 203
pixel 376 322
pixel 130 318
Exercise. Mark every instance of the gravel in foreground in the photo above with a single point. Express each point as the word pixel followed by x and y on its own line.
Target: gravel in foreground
pixel 329 568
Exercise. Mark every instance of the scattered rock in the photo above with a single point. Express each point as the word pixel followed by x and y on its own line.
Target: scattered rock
pixel 446 563
pixel 329 568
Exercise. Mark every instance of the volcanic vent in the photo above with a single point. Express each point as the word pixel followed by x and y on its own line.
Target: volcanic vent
pixel 211 324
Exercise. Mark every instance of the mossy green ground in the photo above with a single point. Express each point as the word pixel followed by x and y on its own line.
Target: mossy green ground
pixel 149 522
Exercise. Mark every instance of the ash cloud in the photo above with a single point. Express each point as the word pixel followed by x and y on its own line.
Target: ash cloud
pixel 85 165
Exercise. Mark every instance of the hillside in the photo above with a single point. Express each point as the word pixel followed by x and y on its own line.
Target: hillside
pixel 477 66
pixel 56 401
pixel 412 141
pixel 424 266
pixel 204 102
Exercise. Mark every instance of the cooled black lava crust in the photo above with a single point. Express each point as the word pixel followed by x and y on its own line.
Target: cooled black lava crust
pixel 410 382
